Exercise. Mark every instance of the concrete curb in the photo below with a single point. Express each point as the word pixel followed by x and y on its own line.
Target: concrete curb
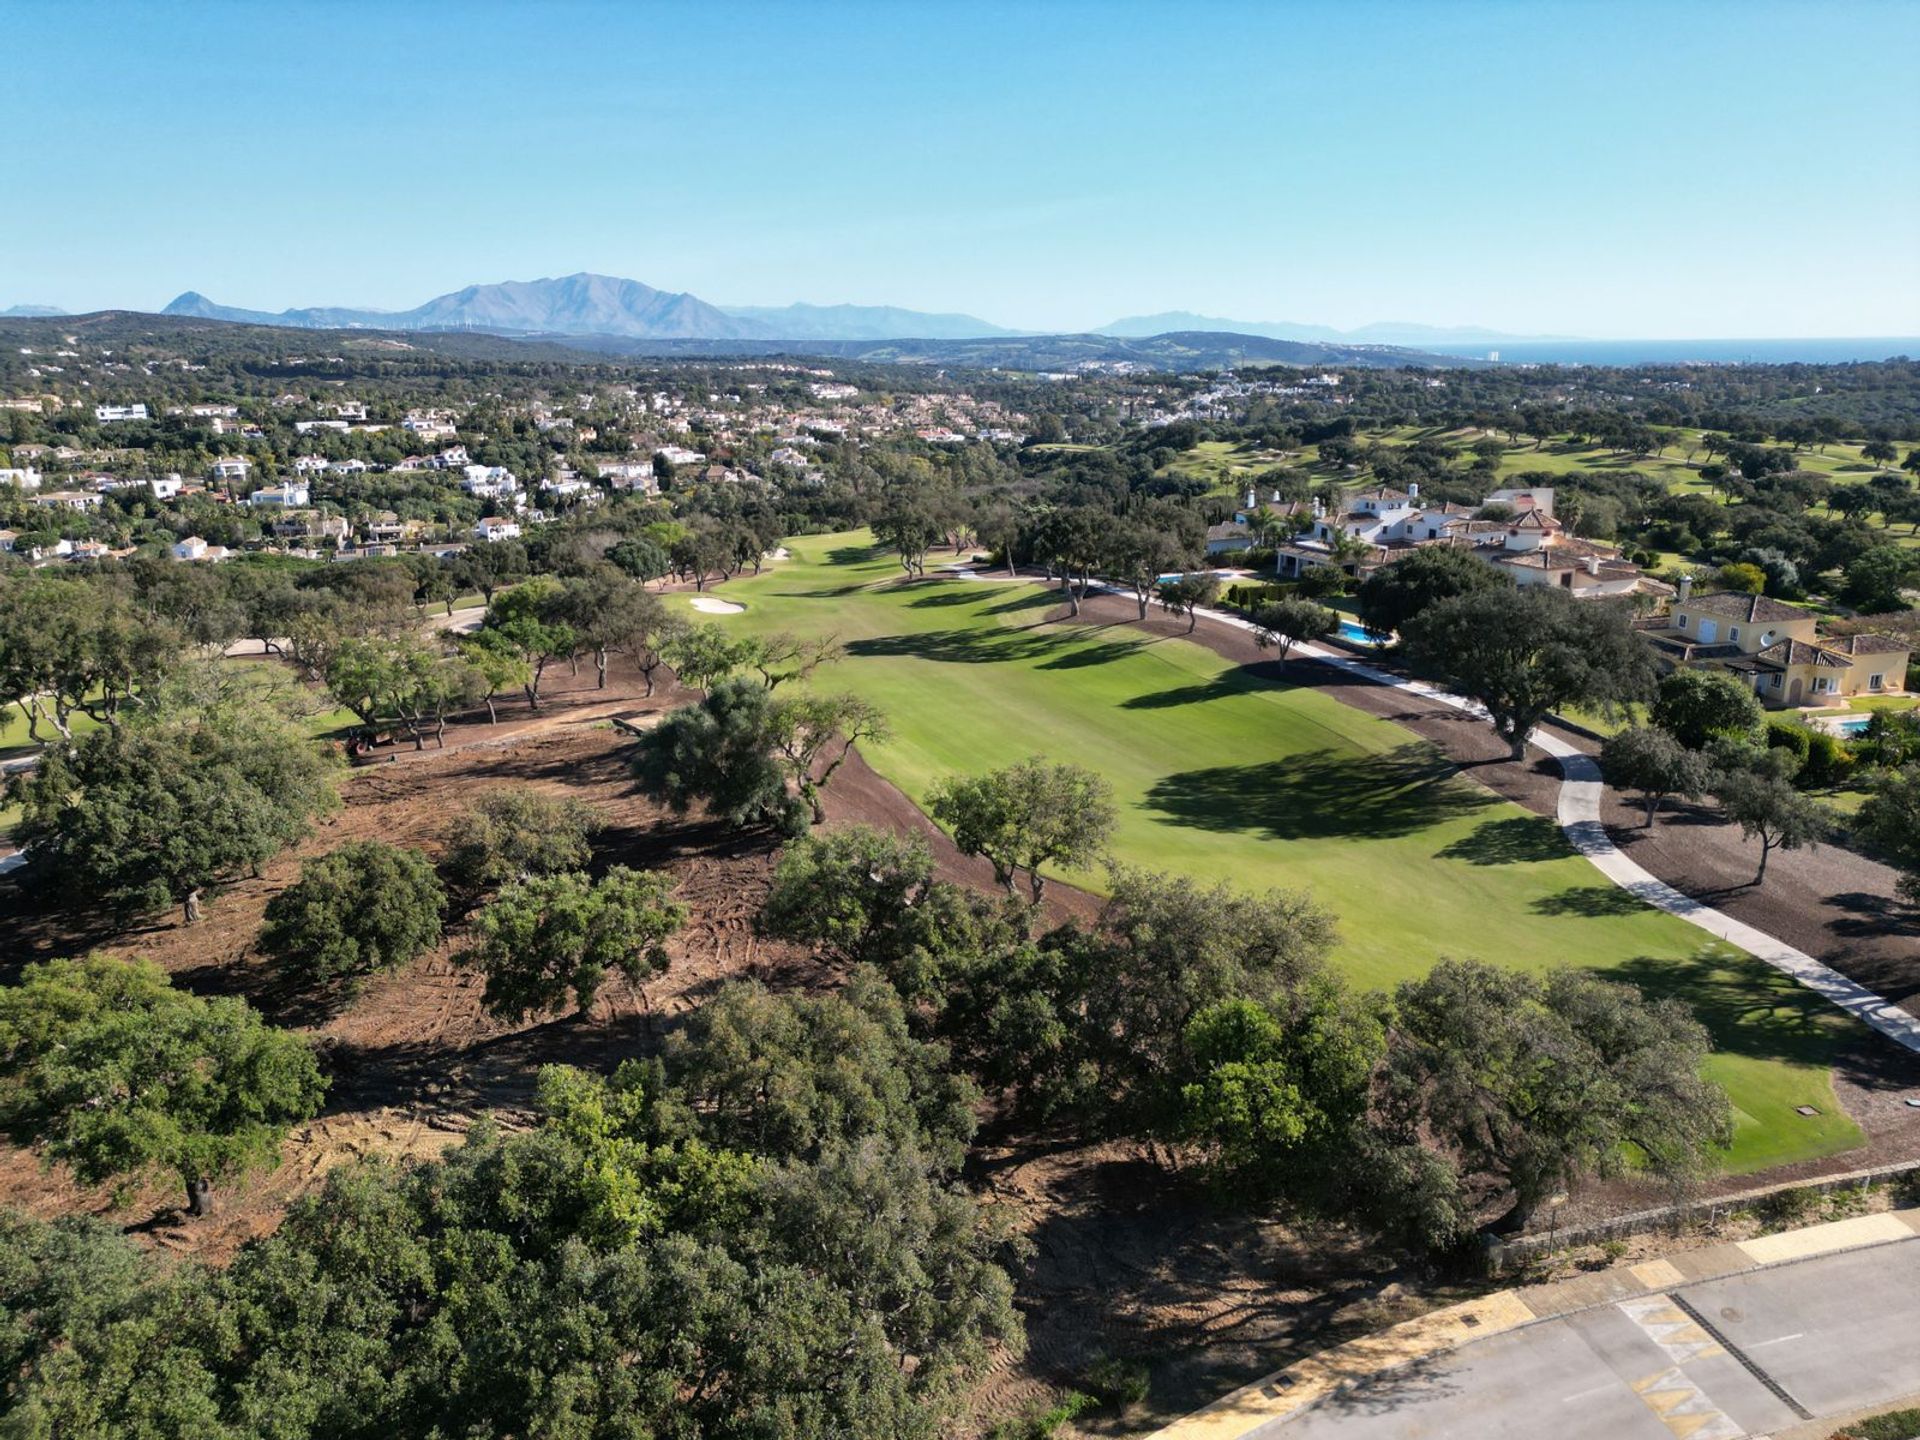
pixel 1294 1388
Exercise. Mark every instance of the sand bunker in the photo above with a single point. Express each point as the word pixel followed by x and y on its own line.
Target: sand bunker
pixel 707 605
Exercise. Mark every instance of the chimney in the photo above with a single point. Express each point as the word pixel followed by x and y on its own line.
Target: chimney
pixel 1252 499
pixel 1413 490
pixel 1318 508
pixel 1593 564
pixel 1276 496
pixel 1686 588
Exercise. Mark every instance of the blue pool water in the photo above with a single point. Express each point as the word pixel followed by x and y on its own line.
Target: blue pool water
pixel 1853 724
pixel 1356 634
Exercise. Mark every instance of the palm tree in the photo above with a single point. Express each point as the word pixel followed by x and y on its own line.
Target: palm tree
pixel 1345 549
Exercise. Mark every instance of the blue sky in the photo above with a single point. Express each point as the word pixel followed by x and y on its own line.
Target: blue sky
pixel 1623 169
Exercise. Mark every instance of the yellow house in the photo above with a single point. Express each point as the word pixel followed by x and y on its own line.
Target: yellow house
pixel 1778 648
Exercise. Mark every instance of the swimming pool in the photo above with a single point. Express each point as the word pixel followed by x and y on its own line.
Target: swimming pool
pixel 1356 634
pixel 1853 725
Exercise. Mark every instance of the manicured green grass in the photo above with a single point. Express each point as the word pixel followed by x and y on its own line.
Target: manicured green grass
pixel 1226 465
pixel 1224 773
pixel 1874 702
pixel 1600 724
pixel 13 726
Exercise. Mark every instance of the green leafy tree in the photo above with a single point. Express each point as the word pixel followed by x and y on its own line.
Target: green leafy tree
pixel 105 1065
pixel 528 620
pixel 1189 595
pixel 60 1282
pixel 499 665
pixel 1523 652
pixel 791 1076
pixel 754 758
pixel 72 646
pixel 1395 594
pixel 492 567
pixel 1144 550
pixel 814 734
pixel 1874 582
pixel 1697 707
pixel 551 938
pixel 399 679
pixel 704 655
pixel 639 558
pixel 1282 624
pixel 586 1277
pixel 1890 820
pixel 1649 759
pixel 1544 1083
pixel 1275 1099
pixel 147 815
pixel 515 833
pixel 1026 817
pixel 364 908
pixel 1767 807
pixel 855 891
pixel 910 530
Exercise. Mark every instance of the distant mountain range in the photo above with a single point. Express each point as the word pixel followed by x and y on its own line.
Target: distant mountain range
pixel 572 305
pixel 30 312
pixel 1386 332
pixel 587 304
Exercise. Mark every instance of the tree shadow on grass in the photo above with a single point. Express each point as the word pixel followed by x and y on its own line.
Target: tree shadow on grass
pixel 1521 840
pixel 1101 653
pixel 1030 600
pixel 1053 649
pixel 854 554
pixel 945 597
pixel 1747 1008
pixel 1244 681
pixel 1321 794
pixel 1594 902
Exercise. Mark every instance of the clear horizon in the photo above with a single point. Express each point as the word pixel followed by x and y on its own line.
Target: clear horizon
pixel 1627 171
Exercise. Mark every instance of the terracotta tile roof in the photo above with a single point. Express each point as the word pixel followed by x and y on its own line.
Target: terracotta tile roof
pixel 1871 645
pixel 1799 652
pixel 1745 607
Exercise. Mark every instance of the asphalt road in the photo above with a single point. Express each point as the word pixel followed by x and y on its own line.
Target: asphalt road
pixel 1815 1338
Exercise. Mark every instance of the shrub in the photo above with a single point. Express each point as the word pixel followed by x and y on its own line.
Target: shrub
pixel 1792 736
pixel 1894 1425
pixel 1324 580
pixel 1828 760
pixel 1245 595
pixel 514 834
pixel 1044 1424
pixel 1118 1382
pixel 363 908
